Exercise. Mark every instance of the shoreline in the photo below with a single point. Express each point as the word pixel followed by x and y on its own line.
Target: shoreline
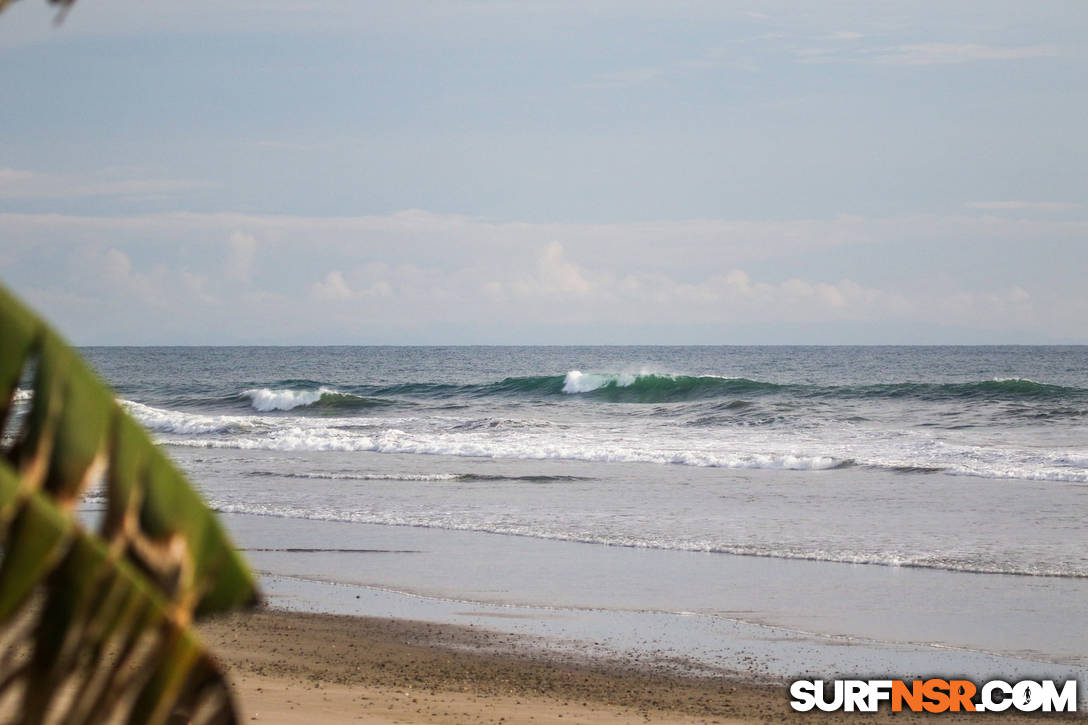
pixel 793 616
pixel 700 614
pixel 294 667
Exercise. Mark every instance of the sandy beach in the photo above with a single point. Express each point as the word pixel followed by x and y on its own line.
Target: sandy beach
pixel 483 538
pixel 307 668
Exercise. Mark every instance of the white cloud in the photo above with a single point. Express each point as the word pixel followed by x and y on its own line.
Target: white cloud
pixel 555 276
pixel 334 288
pixel 242 247
pixel 26 184
pixel 915 54
pixel 338 279
pixel 113 273
pixel 710 59
pixel 413 235
pixel 196 287
pixel 626 78
pixel 1024 205
pixel 947 53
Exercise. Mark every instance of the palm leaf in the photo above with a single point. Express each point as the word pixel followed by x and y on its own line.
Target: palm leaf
pixel 95 628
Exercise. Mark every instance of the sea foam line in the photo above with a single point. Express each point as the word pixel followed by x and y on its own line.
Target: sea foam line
pixel 380 435
pixel 398 441
pixel 887 559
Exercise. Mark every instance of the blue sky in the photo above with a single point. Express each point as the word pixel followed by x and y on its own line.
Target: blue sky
pixel 547 172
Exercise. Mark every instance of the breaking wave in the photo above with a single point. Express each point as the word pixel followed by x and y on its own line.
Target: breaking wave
pixel 1035 399
pixel 662 388
pixel 529 441
pixel 269 399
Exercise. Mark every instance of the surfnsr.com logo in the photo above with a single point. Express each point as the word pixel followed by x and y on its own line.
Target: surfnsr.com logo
pixel 934 695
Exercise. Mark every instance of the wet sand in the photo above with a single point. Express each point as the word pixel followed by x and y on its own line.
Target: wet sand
pixel 320 668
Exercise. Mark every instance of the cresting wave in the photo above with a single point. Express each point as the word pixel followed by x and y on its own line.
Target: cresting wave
pixel 311 397
pixel 269 399
pixel 876 558
pixel 651 388
pixel 321 398
pixel 657 387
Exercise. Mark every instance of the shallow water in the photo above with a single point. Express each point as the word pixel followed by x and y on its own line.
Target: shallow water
pixel 966 459
pixel 921 505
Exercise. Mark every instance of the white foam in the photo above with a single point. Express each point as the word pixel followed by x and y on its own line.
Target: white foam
pixel 305 434
pixel 266 399
pixel 171 421
pixel 23 395
pixel 1022 473
pixel 393 440
pixel 581 534
pixel 578 382
pixel 660 445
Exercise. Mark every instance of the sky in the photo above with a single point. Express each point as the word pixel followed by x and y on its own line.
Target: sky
pixel 595 172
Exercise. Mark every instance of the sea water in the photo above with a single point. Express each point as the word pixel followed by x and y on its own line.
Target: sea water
pixel 967 462
pixel 983 452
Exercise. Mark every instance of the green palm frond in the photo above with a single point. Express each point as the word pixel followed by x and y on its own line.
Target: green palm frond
pixel 95 628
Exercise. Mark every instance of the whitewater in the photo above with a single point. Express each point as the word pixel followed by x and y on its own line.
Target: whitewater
pixel 904 457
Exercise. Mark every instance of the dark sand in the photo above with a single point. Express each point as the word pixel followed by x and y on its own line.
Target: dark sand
pixel 318 668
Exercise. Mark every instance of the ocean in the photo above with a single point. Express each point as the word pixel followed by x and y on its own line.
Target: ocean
pixel 983 451
pixel 663 476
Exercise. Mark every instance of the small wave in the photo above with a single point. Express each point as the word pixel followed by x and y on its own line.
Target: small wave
pixel 653 388
pixel 418 477
pixel 1053 415
pixel 160 420
pixel 391 440
pixel 269 399
pixel 524 479
pixel 992 471
pixel 916 469
pixel 736 421
pixel 429 390
pixel 500 423
pixel 332 476
pixel 997 389
pixel 21 396
pixel 528 530
pixel 1021 473
pixel 302 430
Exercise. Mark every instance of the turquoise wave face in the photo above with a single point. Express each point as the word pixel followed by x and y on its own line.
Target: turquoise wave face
pixel 657 388
pixel 302 395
